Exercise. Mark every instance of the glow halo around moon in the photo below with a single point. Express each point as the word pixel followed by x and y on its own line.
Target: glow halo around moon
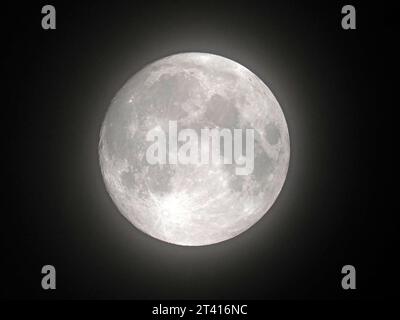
pixel 189 204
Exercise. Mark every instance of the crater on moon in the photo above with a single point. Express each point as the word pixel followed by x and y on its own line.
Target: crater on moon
pixel 190 204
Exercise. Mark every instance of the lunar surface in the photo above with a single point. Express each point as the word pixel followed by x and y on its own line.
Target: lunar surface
pixel 193 204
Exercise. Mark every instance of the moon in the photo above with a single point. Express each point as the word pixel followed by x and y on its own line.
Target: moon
pixel 189 204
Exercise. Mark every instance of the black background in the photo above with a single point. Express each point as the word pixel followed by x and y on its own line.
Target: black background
pixel 59 83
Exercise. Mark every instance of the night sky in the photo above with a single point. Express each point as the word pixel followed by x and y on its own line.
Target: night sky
pixel 329 83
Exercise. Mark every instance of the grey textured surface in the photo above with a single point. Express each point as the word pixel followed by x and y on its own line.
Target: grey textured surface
pixel 193 204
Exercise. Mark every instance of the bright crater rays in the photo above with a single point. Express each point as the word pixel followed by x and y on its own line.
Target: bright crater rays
pixel 193 203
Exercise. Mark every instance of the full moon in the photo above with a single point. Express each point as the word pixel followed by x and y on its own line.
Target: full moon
pixel 193 204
